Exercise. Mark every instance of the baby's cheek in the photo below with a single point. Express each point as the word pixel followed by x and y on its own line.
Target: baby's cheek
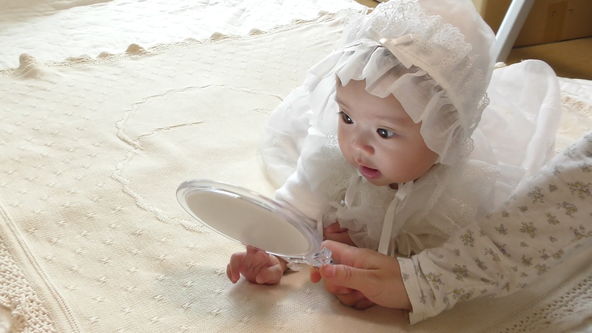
pixel 340 139
pixel 419 168
pixel 345 152
pixel 404 170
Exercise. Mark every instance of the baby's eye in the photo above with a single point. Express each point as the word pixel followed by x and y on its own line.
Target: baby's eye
pixel 384 133
pixel 346 119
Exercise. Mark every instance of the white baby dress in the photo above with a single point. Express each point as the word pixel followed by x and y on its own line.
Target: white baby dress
pixel 513 139
pixel 491 128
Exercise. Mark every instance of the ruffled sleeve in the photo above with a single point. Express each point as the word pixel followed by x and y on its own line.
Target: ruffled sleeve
pixel 320 177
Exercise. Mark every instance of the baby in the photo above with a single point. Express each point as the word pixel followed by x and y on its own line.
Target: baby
pixel 381 145
pixel 379 139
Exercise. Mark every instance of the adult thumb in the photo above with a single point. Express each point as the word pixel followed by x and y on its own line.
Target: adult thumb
pixel 348 276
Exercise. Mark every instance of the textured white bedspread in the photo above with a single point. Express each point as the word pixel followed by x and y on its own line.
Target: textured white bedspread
pixel 58 29
pixel 93 240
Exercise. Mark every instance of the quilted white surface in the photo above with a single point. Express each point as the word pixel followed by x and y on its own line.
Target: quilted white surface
pixel 92 152
pixel 96 150
pixel 53 30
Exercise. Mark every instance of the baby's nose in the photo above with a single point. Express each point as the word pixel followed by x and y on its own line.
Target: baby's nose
pixel 363 144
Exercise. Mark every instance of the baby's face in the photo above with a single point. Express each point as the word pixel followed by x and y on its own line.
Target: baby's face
pixel 378 137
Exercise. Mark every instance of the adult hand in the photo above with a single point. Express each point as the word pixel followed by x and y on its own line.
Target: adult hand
pixel 256 266
pixel 362 277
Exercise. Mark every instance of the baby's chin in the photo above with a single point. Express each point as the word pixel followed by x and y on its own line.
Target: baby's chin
pixel 382 182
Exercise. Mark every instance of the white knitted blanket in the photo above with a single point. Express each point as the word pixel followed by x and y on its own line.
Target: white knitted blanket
pixel 93 240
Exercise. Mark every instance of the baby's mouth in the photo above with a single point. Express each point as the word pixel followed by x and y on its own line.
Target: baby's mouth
pixel 369 173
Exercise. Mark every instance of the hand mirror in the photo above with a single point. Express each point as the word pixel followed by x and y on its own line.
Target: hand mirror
pixel 253 219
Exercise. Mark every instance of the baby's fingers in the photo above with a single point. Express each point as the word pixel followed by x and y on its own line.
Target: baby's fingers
pixel 233 268
pixel 334 228
pixel 254 258
pixel 229 274
pixel 341 237
pixel 270 275
pixel 315 275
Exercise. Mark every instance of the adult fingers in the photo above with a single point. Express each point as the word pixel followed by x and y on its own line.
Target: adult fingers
pixel 363 304
pixel 350 277
pixel 355 299
pixel 336 289
pixel 315 275
pixel 352 256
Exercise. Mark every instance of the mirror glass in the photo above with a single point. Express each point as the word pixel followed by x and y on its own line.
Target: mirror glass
pixel 253 219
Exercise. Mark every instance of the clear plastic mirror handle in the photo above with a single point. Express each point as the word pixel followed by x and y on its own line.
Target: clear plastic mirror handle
pixel 317 259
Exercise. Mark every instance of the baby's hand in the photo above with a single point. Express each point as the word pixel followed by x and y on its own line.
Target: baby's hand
pixel 336 233
pixel 256 266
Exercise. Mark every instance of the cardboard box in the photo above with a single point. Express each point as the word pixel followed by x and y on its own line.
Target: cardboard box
pixel 548 21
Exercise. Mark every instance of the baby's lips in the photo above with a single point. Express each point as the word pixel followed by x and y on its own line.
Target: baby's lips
pixel 369 172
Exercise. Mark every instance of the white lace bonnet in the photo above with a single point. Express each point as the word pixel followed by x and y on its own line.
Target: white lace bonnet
pixel 434 56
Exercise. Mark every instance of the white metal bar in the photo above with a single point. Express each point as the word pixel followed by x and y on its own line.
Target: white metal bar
pixel 510 27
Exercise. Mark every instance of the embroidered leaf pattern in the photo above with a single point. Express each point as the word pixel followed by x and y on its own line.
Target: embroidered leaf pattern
pixel 506 286
pixel 529 229
pixel 580 189
pixel 536 195
pixel 422 298
pixel 494 256
pixel 480 264
pixel 541 268
pixel 526 261
pixel 580 232
pixel 501 229
pixel 544 254
pixel 557 255
pixel 485 280
pixel 467 238
pixel 502 248
pixel 569 208
pixel 435 278
pixel 461 272
pixel 552 219
pixel 461 294
pixel 466 296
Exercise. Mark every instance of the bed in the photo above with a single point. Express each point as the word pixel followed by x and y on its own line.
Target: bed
pixel 93 145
